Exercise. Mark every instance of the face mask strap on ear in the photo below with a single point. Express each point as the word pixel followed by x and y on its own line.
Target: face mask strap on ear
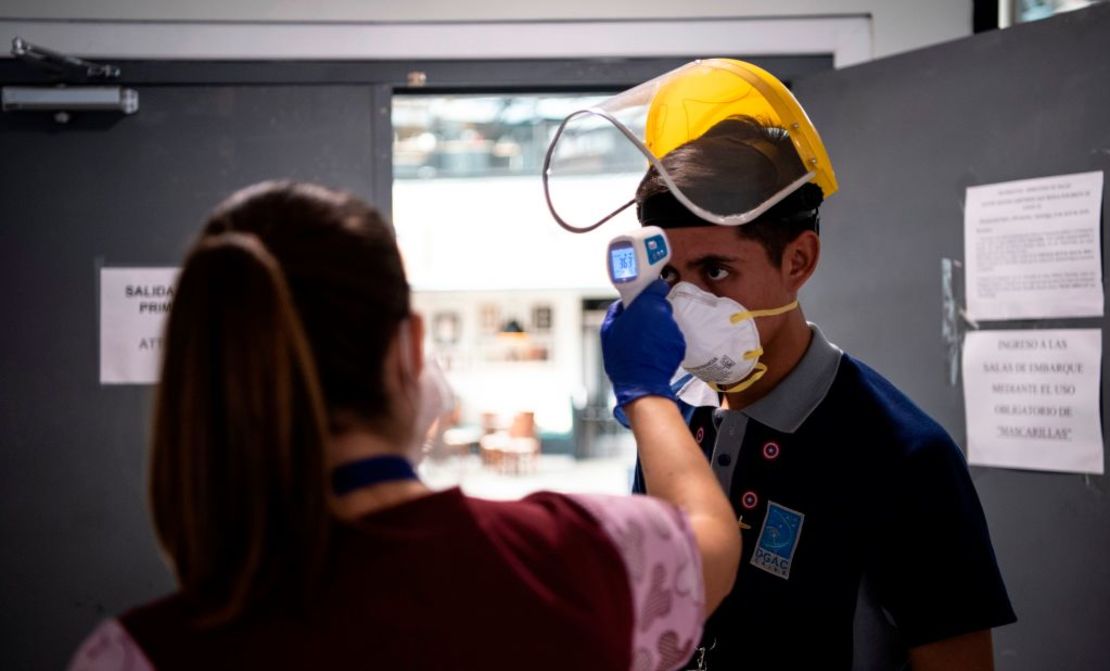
pixel 411 383
pixel 404 344
pixel 770 312
pixel 760 371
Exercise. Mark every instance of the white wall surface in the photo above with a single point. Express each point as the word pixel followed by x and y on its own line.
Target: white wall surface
pixel 897 25
pixel 846 38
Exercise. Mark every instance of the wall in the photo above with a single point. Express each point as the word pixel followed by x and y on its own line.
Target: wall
pixel 897 25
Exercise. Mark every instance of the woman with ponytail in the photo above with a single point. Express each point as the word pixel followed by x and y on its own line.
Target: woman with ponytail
pixel 284 496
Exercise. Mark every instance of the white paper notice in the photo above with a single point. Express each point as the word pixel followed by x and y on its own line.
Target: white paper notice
pixel 134 304
pixel 1032 399
pixel 1032 248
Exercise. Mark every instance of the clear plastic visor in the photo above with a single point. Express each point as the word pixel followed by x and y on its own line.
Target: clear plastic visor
pixel 598 156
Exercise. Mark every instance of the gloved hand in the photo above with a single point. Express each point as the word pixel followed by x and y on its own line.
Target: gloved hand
pixel 642 346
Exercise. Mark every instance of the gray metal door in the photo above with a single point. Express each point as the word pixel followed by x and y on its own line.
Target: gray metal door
pixel 77 544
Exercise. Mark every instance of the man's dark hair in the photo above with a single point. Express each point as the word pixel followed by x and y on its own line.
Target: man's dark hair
pixel 733 166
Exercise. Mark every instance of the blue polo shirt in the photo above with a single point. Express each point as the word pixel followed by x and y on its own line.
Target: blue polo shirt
pixel 863 535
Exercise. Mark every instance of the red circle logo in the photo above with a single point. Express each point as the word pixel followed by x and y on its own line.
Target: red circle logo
pixel 771 451
pixel 700 435
pixel 749 500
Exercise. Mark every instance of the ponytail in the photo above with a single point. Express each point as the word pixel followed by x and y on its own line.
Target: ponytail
pixel 237 466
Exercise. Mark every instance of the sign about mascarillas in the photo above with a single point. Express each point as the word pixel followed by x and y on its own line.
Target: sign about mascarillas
pixel 134 304
pixel 1032 399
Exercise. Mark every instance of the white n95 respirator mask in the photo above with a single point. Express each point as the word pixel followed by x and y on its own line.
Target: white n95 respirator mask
pixel 722 341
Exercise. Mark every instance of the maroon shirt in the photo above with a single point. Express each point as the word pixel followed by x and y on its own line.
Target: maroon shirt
pixel 441 582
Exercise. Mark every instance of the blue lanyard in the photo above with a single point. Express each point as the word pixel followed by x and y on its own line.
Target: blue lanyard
pixel 370 471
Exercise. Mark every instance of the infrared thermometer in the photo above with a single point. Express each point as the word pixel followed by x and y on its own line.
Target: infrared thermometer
pixel 636 259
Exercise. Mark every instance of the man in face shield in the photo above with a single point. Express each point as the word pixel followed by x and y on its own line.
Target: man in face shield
pixel 864 543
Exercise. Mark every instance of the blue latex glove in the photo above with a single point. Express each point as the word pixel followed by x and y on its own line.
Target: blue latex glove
pixel 642 346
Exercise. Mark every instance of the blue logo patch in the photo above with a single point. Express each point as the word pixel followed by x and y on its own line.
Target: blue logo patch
pixel 778 539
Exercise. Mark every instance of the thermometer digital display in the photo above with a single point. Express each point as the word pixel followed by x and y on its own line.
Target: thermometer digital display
pixel 623 261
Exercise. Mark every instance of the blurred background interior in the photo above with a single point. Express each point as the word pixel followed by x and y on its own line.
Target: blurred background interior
pixel 515 325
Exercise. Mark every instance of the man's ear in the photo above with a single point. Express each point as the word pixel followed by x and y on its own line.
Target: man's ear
pixel 799 260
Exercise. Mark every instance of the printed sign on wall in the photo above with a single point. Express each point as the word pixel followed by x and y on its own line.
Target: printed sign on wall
pixel 134 304
pixel 1033 248
pixel 1032 399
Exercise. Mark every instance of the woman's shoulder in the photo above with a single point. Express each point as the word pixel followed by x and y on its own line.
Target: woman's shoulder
pixel 541 528
pixel 640 543
pixel 552 519
pixel 633 523
pixel 109 648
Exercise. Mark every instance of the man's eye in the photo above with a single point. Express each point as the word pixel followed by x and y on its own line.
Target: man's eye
pixel 716 273
pixel 668 275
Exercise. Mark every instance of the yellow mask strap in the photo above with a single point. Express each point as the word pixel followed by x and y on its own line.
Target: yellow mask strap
pixel 771 312
pixel 760 371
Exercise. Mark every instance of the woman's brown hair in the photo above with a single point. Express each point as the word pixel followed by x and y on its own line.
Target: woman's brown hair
pixel 283 314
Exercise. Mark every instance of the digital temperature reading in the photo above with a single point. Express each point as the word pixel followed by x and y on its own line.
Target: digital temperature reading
pixel 623 260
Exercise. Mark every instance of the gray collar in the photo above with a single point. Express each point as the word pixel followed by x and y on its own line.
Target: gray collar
pixel 792 401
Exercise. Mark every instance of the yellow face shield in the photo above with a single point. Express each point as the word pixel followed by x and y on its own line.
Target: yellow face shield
pixel 698 102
